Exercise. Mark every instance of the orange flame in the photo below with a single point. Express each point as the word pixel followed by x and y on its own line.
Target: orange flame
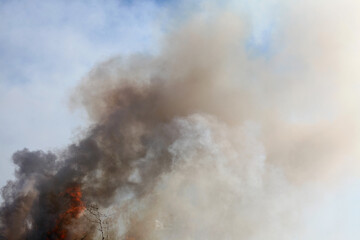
pixel 76 207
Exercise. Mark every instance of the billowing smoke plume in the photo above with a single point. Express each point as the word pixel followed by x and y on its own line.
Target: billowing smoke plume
pixel 203 141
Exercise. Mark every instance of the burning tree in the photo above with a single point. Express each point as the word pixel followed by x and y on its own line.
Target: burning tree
pixel 73 209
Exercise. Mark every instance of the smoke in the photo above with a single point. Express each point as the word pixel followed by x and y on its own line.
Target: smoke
pixel 204 140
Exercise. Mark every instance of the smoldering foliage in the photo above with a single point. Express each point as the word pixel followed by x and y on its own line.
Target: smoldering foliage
pixel 201 141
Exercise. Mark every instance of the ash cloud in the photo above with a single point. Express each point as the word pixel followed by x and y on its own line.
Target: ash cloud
pixel 201 141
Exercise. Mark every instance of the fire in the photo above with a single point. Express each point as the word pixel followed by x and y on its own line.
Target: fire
pixel 74 210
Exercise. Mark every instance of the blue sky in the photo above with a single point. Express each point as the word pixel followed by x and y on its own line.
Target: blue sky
pixel 46 48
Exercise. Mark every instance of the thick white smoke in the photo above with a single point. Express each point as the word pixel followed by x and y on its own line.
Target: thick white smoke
pixel 219 187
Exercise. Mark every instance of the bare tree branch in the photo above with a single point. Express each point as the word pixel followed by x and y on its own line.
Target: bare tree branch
pixel 94 215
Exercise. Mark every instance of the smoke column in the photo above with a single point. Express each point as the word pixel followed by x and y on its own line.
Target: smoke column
pixel 203 140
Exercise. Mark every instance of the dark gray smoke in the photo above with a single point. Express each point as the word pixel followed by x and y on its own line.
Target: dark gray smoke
pixel 101 164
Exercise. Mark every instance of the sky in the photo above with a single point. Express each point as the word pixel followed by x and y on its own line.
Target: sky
pixel 47 47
